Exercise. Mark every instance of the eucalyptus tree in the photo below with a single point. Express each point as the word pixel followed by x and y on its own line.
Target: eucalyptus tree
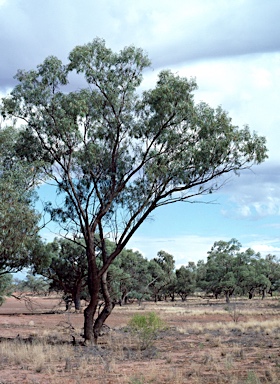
pixel 133 277
pixel 162 276
pixel 37 285
pixel 66 268
pixel 167 282
pixel 272 271
pixel 220 267
pixel 116 154
pixel 6 286
pixel 256 278
pixel 186 280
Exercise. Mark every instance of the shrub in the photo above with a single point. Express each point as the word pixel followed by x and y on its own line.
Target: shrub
pixel 146 327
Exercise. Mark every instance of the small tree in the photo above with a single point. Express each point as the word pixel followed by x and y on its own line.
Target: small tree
pixel 186 280
pixel 37 285
pixel 166 279
pixel 67 269
pixel 116 155
pixel 253 275
pixel 133 275
pixel 219 273
pixel 273 273
pixel 6 286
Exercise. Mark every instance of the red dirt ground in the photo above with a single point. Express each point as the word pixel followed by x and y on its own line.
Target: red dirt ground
pixel 201 344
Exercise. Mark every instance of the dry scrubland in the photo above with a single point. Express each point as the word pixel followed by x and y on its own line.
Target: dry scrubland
pixel 205 341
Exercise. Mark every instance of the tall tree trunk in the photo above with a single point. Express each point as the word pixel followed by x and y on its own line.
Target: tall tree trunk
pixel 227 298
pixel 251 293
pixel 77 300
pixel 106 311
pixel 93 287
pixel 76 295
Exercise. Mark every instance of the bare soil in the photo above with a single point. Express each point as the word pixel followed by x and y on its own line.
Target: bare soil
pixel 205 341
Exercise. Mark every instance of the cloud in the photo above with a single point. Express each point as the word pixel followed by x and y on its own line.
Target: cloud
pixel 254 194
pixel 205 30
pixel 171 33
pixel 194 247
pixel 184 248
pixel 265 246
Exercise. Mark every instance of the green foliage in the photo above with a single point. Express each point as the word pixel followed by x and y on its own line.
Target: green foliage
pixel 229 271
pixel 272 272
pixel 146 327
pixel 37 285
pixel 18 219
pixel 128 276
pixel 161 269
pixel 186 280
pixel 66 268
pixel 219 277
pixel 6 286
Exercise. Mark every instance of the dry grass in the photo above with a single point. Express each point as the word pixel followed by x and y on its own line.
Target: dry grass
pixel 267 327
pixel 63 364
pixel 38 356
pixel 202 345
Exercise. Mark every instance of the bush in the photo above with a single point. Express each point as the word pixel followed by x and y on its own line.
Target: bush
pixel 146 328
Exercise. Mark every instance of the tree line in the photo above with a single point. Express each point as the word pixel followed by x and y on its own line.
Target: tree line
pixel 227 272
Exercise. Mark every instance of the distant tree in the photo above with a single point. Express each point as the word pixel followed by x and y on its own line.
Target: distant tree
pixel 117 155
pixel 67 269
pixel 255 278
pixel 134 277
pixel 167 263
pixel 37 285
pixel 6 286
pixel 200 274
pixel 262 281
pixel 186 280
pixel 229 271
pixel 272 272
pixel 161 269
pixel 219 274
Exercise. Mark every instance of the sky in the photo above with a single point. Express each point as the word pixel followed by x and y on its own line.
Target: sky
pixel 231 47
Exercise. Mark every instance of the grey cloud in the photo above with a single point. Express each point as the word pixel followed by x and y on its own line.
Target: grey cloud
pixel 255 193
pixel 234 28
pixel 31 30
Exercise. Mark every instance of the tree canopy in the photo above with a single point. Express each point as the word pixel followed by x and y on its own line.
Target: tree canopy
pixel 116 154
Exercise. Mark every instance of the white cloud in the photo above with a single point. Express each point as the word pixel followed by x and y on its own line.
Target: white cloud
pixel 194 248
pixel 265 246
pixel 183 248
